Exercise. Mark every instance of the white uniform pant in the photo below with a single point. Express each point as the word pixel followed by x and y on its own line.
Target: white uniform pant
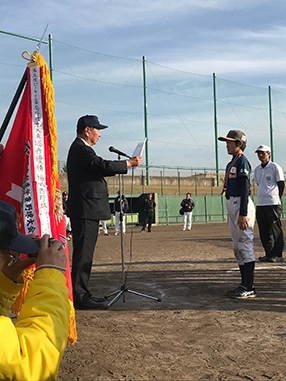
pixel 117 222
pixel 68 223
pixel 242 239
pixel 187 219
pixel 104 228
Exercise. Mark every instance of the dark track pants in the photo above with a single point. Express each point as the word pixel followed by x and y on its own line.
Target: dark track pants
pixel 270 229
pixel 148 221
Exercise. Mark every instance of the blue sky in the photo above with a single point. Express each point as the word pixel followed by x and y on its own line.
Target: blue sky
pixel 240 41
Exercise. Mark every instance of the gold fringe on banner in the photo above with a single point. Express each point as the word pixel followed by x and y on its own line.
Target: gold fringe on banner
pixel 72 337
pixel 28 275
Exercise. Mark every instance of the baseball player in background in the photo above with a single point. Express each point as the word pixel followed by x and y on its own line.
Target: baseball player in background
pixel 241 212
pixel 270 179
pixel 117 212
pixel 188 205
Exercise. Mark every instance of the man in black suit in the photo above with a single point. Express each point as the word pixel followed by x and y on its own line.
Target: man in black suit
pixel 88 203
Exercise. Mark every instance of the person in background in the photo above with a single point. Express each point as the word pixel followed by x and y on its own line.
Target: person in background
pixel 31 349
pixel 104 227
pixel 88 203
pixel 149 206
pixel 65 197
pixel 241 212
pixel 188 205
pixel 269 177
pixel 117 212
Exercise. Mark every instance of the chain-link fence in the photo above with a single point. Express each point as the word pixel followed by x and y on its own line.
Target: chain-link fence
pixel 168 181
pixel 180 108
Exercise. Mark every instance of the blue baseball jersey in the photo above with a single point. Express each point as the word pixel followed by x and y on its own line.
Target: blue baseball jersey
pixel 240 168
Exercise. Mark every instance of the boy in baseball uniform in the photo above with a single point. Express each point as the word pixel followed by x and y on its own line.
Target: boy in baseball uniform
pixel 241 212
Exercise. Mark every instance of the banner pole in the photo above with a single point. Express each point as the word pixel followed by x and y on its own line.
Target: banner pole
pixel 13 105
pixel 51 56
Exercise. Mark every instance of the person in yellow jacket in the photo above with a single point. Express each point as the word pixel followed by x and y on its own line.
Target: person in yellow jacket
pixel 32 348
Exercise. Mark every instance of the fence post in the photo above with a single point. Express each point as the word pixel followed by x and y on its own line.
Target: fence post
pixel 142 181
pixel 206 209
pixel 196 185
pixel 270 122
pixel 215 127
pixel 146 121
pixel 222 207
pixel 179 182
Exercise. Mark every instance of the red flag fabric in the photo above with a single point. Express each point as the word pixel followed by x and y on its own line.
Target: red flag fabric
pixel 28 170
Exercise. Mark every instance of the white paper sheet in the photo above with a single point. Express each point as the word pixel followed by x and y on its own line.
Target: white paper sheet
pixel 139 149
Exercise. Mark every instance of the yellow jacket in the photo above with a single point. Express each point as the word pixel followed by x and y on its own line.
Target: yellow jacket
pixel 8 292
pixel 33 348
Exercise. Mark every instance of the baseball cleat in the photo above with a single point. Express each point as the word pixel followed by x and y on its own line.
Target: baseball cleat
pixel 242 292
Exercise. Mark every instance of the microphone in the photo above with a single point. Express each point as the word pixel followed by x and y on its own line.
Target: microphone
pixel 112 149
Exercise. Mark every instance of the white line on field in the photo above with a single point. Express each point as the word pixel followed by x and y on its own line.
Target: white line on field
pixel 260 268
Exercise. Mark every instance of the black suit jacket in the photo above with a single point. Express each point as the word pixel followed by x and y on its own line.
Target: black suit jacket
pixel 88 193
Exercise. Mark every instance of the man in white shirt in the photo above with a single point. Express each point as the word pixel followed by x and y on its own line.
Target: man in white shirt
pixel 269 177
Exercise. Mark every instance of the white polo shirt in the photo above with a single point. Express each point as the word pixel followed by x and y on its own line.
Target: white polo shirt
pixel 267 178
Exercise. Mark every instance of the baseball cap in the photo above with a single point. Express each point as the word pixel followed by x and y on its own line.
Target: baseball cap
pixel 9 237
pixel 263 148
pixel 234 135
pixel 90 121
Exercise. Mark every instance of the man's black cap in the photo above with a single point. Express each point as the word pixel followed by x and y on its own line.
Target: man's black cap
pixel 89 121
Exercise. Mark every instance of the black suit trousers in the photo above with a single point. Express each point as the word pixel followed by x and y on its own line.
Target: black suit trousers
pixel 85 233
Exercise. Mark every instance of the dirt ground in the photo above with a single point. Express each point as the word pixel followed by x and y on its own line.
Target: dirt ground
pixel 195 332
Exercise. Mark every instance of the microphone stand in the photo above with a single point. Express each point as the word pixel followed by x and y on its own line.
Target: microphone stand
pixel 123 289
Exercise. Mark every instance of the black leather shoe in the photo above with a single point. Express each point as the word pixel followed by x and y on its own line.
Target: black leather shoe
pixel 264 259
pixel 90 305
pixel 96 299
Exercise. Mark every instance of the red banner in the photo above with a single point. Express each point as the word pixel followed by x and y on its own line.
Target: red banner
pixel 28 168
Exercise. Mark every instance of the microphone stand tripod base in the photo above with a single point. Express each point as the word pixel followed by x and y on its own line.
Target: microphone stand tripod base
pixel 122 291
